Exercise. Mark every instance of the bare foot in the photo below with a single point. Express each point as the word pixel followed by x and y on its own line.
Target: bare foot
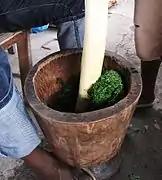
pixel 46 167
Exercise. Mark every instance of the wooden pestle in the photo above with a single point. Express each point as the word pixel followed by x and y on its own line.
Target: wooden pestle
pixel 96 21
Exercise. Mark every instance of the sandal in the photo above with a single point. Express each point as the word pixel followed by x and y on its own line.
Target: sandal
pixel 145 104
pixel 146 101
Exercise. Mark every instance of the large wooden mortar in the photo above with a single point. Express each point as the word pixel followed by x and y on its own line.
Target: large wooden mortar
pixel 84 139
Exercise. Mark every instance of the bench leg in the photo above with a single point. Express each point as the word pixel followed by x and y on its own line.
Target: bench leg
pixel 24 54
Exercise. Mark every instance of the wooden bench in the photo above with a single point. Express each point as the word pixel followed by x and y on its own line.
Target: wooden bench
pixel 22 40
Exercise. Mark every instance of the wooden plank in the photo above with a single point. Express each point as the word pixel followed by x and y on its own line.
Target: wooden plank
pixel 9 39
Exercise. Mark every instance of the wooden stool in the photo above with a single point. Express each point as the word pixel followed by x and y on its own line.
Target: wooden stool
pixel 22 40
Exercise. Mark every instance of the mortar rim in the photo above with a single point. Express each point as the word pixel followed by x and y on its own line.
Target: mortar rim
pixel 88 117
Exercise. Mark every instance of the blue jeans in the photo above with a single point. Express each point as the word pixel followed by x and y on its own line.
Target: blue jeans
pixel 18 135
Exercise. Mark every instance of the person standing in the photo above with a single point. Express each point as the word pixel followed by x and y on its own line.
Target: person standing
pixel 18 136
pixel 148 40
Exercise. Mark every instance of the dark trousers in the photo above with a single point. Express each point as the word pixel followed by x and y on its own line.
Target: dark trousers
pixel 23 14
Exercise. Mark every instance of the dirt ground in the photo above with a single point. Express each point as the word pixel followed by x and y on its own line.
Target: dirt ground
pixel 142 149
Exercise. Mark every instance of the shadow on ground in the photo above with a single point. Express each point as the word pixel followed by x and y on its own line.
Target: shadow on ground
pixel 142 149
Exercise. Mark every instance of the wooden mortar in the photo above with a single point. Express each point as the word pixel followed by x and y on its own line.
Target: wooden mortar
pixel 85 139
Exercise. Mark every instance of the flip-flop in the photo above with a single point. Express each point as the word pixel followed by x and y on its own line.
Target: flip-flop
pixel 145 105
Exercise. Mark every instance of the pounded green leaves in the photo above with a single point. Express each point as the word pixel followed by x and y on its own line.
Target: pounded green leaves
pixel 107 90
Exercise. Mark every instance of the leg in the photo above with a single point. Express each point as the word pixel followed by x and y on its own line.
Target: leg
pixel 46 167
pixel 59 12
pixel 148 40
pixel 149 72
pixel 71 34
pixel 18 135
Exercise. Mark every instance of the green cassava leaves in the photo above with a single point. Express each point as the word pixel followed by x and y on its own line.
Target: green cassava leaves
pixel 107 90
